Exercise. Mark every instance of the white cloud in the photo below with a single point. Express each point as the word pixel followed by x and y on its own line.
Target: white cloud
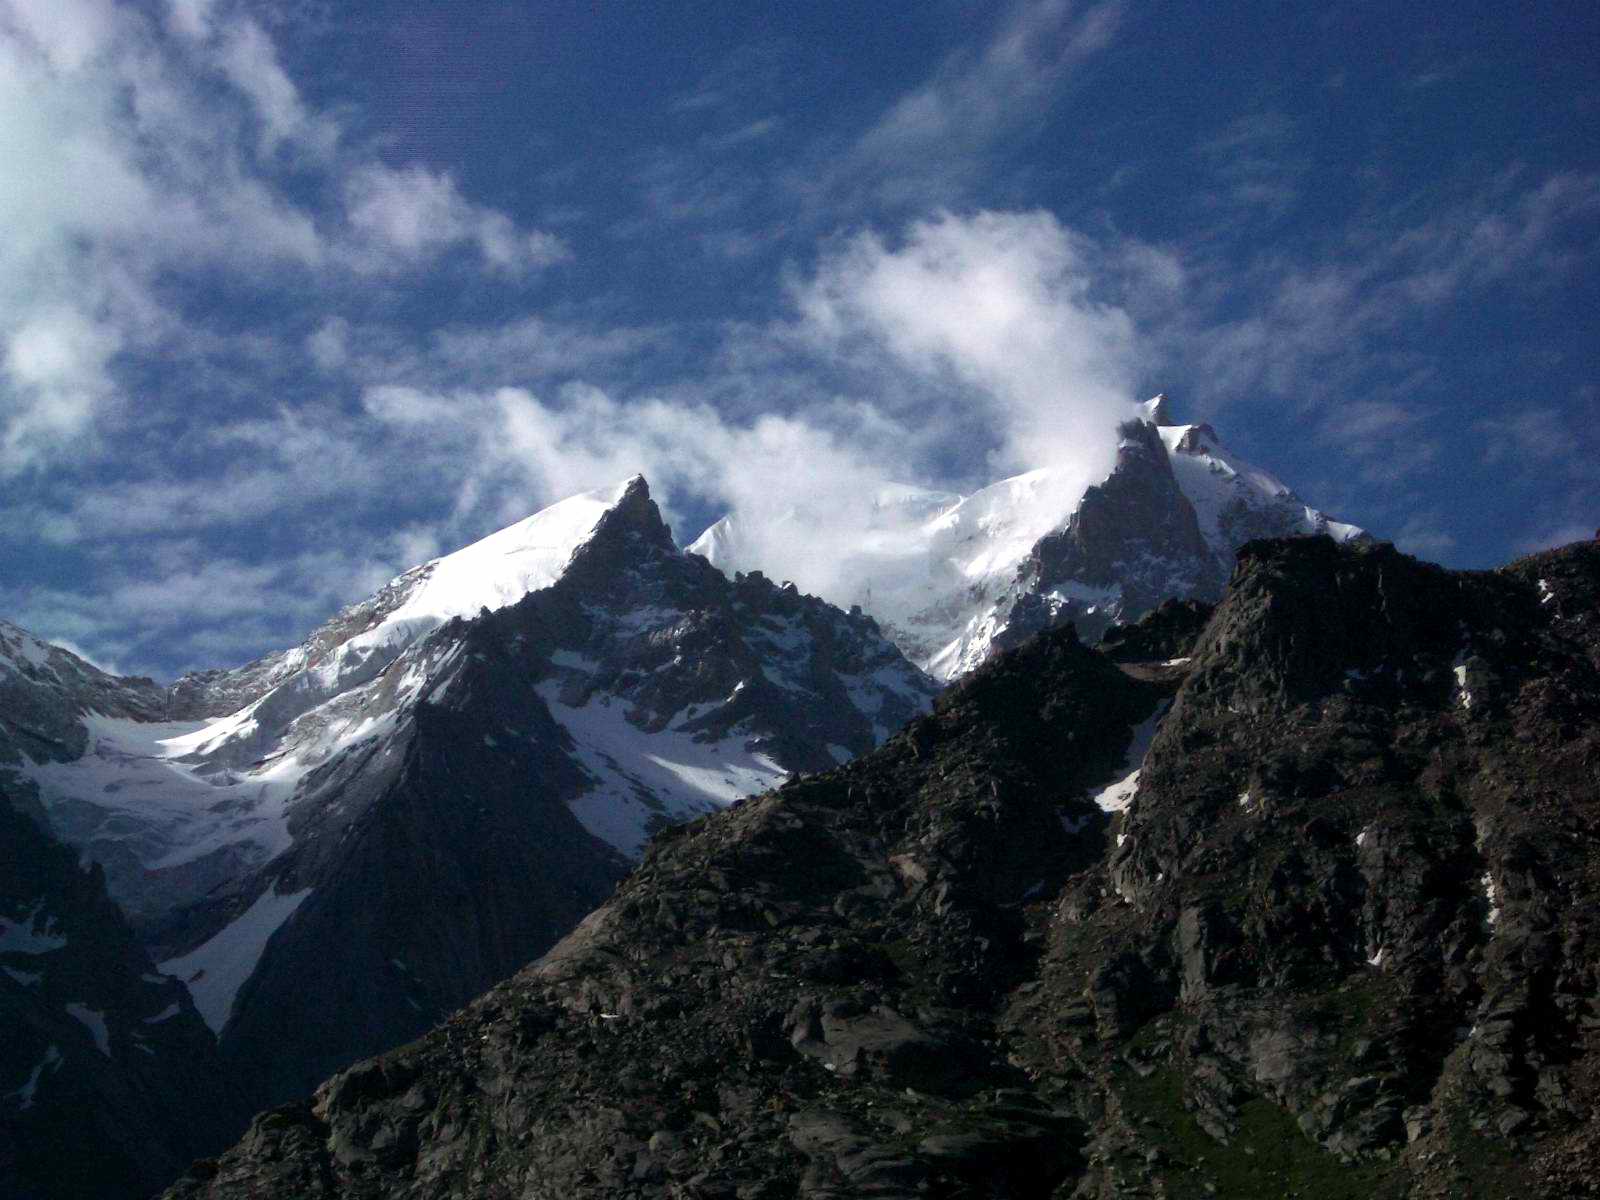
pixel 69 33
pixel 248 58
pixel 409 214
pixel 967 323
pixel 54 378
pixel 192 18
pixel 137 156
pixel 1002 301
pixel 329 345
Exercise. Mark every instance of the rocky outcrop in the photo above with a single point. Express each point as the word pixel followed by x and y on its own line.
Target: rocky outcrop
pixel 44 692
pixel 1340 943
pixel 1132 542
pixel 1165 634
pixel 1360 873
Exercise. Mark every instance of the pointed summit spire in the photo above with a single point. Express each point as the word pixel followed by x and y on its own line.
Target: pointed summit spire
pixel 1156 410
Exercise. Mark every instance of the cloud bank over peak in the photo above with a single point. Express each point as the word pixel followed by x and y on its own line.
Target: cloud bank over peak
pixel 1001 302
pixel 969 345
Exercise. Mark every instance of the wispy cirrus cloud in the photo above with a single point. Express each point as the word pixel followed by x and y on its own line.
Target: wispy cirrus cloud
pixel 408 215
pixel 1323 313
pixel 935 141
pixel 1257 161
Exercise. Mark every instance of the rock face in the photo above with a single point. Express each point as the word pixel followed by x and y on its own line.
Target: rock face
pixel 44 692
pixel 1132 542
pixel 109 1081
pixel 956 579
pixel 1341 942
pixel 427 794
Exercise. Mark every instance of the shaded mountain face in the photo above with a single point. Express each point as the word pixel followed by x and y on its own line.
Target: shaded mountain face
pixel 956 579
pixel 428 793
pixel 1309 910
pixel 110 1082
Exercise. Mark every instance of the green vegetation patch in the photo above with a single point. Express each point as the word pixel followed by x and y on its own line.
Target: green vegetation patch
pixel 1268 1156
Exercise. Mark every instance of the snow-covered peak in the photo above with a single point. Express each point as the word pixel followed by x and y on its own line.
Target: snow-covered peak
pixel 504 567
pixel 943 572
pixel 1157 411
pixel 925 563
pixel 992 530
pixel 1235 500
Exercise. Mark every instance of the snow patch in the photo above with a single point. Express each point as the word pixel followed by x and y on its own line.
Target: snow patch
pixel 1118 795
pixel 1491 893
pixel 34 933
pixel 1463 693
pixel 24 1094
pixel 18 646
pixel 217 970
pixel 25 978
pixel 95 1022
pixel 166 1014
pixel 668 775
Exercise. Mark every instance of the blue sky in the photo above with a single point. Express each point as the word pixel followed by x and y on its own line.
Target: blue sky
pixel 296 299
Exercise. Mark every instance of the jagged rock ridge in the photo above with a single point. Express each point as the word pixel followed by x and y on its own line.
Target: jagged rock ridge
pixel 1340 942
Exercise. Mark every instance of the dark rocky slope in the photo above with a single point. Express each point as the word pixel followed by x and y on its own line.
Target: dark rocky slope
pixel 109 1080
pixel 1341 944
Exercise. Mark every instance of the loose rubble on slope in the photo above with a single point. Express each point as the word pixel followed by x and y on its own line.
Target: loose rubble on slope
pixel 943 971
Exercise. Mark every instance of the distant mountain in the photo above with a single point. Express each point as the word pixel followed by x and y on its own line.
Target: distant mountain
pixel 954 579
pixel 1309 908
pixel 339 844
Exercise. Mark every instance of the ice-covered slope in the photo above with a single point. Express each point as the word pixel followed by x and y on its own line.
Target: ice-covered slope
pixel 364 639
pixel 959 577
pixel 1235 501
pixel 927 568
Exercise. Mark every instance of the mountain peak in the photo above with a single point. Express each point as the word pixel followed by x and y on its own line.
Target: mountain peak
pixel 500 569
pixel 1157 411
pixel 635 512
